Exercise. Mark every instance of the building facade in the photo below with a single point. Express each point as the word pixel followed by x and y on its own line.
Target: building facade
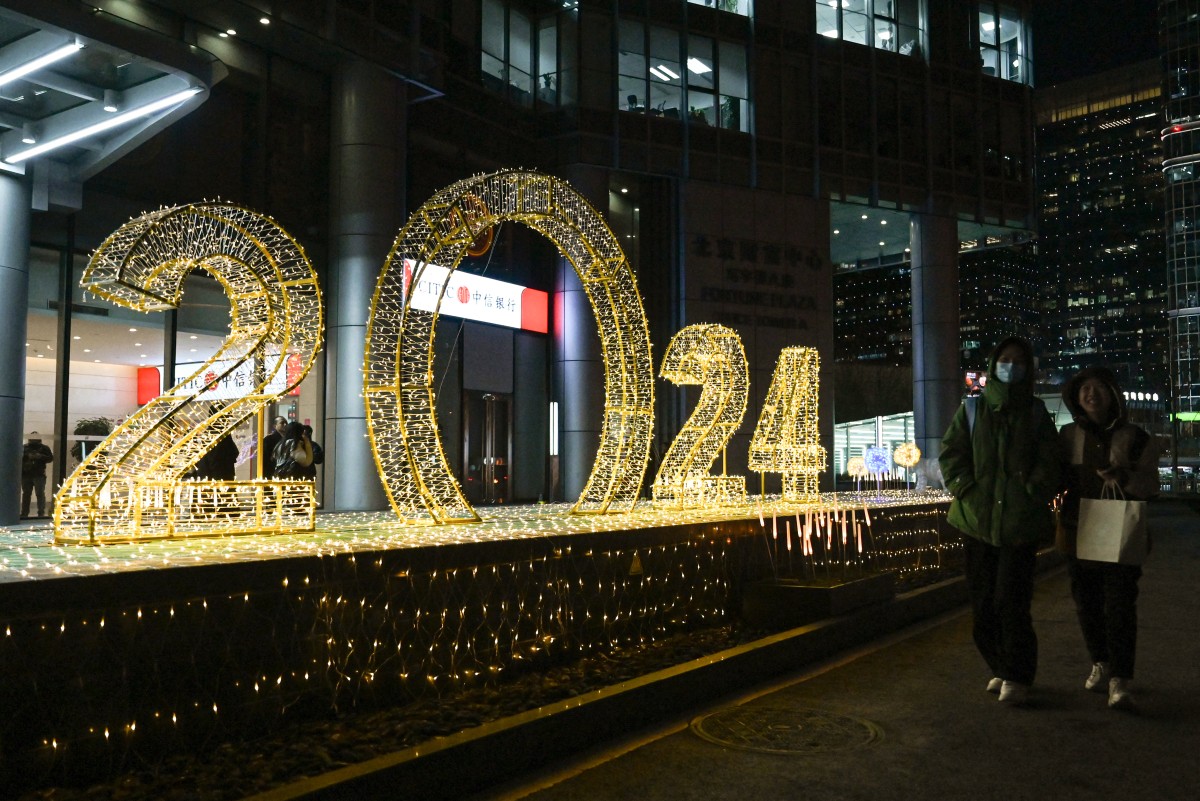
pixel 724 142
pixel 1100 235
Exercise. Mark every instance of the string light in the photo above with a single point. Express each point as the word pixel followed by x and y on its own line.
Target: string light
pixel 131 486
pixel 713 357
pixel 786 439
pixel 398 385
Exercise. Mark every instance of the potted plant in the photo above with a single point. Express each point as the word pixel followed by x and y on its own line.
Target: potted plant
pixel 91 427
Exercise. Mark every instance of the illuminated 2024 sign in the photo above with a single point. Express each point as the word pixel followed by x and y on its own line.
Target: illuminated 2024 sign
pixel 132 486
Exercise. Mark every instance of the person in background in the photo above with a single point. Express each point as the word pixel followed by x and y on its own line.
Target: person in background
pixel 318 453
pixel 220 463
pixel 34 458
pixel 293 454
pixel 1000 462
pixel 1103 450
pixel 270 441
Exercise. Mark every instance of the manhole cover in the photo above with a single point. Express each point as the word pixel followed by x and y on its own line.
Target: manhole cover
pixel 785 731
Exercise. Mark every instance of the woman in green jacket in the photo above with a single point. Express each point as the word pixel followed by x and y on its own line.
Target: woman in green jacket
pixel 1000 461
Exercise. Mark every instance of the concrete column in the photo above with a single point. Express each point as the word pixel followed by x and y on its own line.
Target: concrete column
pixel 368 141
pixel 937 385
pixel 578 359
pixel 14 300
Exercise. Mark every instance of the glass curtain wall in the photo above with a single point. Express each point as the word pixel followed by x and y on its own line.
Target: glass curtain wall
pixel 895 25
pixel 743 8
pixel 519 53
pixel 1004 50
pixel 709 79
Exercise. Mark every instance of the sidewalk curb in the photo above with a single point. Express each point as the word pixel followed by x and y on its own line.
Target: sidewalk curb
pixel 456 766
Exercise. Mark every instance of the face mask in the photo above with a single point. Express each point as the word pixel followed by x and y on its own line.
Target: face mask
pixel 1009 373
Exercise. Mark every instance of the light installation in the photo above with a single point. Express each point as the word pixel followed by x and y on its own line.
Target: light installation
pixel 132 486
pixel 877 460
pixel 398 381
pixel 711 356
pixel 786 439
pixel 907 454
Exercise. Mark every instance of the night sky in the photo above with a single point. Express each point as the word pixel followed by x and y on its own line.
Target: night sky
pixel 1075 38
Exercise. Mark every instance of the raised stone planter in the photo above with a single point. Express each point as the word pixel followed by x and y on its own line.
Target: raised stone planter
pixel 788 603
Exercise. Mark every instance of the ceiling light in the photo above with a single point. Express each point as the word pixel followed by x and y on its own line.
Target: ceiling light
pixel 697 66
pixel 137 344
pixel 836 231
pixel 110 101
pixel 87 350
pixel 76 337
pixel 43 60
pixel 97 361
pixel 669 71
pixel 193 336
pixel 142 355
pixel 989 26
pixel 230 32
pixel 883 222
pixel 880 244
pixel 223 35
pixel 624 191
pixel 104 125
pixel 133 330
pixel 885 35
pixel 662 76
pixel 27 134
pixel 191 350
pixel 864 216
pixel 264 21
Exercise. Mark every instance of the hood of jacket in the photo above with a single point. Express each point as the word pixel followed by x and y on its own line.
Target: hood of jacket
pixel 996 392
pixel 1070 395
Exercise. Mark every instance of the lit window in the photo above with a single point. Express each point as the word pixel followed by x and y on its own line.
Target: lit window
pixel 1003 45
pixel 894 25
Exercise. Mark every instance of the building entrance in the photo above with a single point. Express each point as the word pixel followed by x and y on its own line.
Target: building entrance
pixel 487 446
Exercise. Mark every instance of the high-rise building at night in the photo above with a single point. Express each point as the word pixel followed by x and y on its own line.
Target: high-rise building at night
pixel 1100 243
pixel 1179 28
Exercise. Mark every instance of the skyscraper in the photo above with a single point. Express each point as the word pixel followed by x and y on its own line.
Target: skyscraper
pixel 1100 244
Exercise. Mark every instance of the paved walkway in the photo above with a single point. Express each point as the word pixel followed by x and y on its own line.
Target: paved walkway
pixel 934 732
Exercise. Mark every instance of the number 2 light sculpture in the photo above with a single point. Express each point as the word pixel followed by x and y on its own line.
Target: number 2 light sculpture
pixel 398 370
pixel 712 356
pixel 131 487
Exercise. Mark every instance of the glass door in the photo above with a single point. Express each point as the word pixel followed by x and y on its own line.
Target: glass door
pixel 487 446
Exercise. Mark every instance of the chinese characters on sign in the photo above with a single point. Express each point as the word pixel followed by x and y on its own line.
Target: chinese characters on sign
pixel 760 276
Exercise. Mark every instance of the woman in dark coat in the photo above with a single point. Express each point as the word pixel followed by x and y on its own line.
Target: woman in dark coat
pixel 1102 448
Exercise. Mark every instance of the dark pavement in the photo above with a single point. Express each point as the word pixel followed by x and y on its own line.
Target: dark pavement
pixel 907 717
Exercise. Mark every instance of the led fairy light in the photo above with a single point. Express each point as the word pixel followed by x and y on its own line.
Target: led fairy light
pixel 907 454
pixel 398 380
pixel 786 439
pixel 712 356
pixel 131 487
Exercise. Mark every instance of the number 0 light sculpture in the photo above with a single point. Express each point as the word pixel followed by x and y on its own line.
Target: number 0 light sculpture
pixel 398 372
pixel 131 487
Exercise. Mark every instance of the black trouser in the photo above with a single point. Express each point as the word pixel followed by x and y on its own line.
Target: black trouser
pixel 1000 583
pixel 29 484
pixel 1106 602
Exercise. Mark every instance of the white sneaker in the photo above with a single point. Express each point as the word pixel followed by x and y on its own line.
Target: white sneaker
pixel 1098 681
pixel 995 684
pixel 1013 694
pixel 1119 696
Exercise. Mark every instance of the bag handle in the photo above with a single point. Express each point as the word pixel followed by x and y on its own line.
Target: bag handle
pixel 1112 492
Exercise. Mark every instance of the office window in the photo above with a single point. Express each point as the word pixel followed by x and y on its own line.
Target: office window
pixel 1003 44
pixel 518 55
pixel 742 7
pixel 712 73
pixel 894 25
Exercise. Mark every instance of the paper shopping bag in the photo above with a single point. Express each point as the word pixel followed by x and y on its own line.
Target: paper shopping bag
pixel 1112 530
